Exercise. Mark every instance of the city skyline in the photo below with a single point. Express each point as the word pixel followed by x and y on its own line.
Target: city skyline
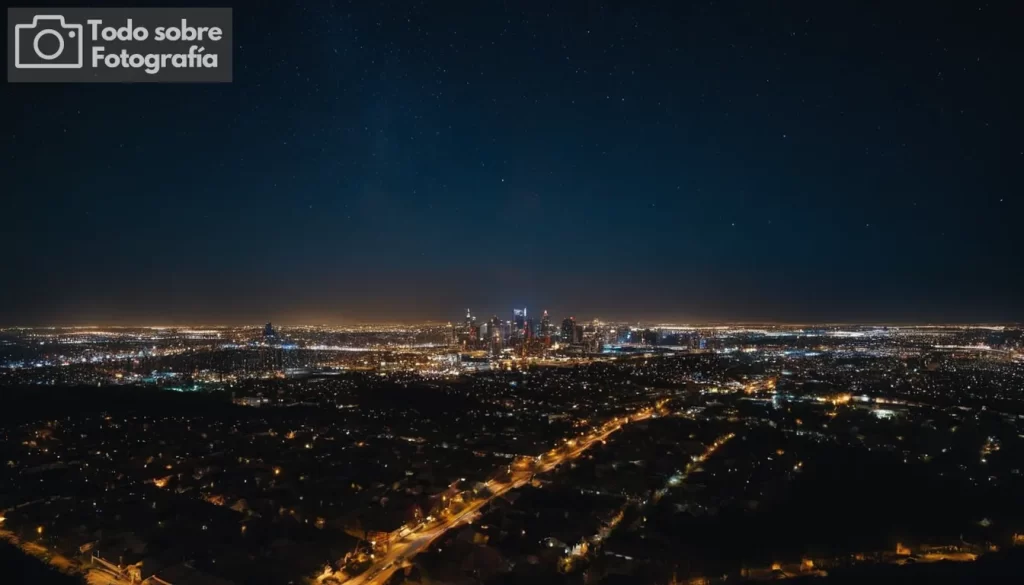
pixel 512 293
pixel 491 452
pixel 581 318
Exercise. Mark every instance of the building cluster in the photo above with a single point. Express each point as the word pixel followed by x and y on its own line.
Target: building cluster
pixel 526 336
pixel 317 454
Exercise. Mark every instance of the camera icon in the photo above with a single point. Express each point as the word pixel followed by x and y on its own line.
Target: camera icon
pixel 48 43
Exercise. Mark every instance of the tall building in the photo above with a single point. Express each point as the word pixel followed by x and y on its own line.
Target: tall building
pixel 591 339
pixel 568 329
pixel 506 330
pixel 468 333
pixel 545 325
pixel 519 318
pixel 495 337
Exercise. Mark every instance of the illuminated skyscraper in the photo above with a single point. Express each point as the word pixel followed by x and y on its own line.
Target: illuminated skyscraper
pixel 545 325
pixel 519 318
pixel 468 333
pixel 495 337
pixel 568 329
pixel 590 339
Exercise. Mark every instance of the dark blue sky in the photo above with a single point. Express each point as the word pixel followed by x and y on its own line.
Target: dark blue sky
pixel 403 160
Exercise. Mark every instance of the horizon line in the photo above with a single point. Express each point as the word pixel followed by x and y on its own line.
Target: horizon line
pixel 651 323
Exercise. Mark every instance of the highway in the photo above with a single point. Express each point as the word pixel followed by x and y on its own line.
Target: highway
pixel 420 538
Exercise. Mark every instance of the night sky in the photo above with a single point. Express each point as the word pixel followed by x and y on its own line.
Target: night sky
pixel 785 161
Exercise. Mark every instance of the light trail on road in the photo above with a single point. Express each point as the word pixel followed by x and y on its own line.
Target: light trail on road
pixel 417 541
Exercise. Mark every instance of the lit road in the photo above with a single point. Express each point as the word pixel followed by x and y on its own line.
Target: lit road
pixel 676 480
pixel 696 462
pixel 419 539
pixel 97 577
